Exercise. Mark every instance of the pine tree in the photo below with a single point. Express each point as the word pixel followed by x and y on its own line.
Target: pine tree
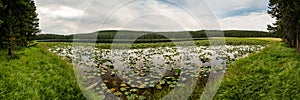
pixel 1 8
pixel 1 21
pixel 20 24
pixel 30 22
pixel 287 26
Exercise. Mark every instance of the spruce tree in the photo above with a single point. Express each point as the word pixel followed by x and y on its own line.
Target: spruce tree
pixel 19 24
pixel 287 25
pixel 1 21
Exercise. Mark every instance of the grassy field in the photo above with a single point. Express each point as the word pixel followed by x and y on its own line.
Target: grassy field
pixel 273 73
pixel 37 74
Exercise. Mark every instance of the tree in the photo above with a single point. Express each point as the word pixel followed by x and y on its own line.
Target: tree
pixel 1 21
pixel 20 24
pixel 1 8
pixel 287 25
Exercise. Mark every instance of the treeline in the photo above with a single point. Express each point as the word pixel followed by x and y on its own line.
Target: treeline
pixel 144 35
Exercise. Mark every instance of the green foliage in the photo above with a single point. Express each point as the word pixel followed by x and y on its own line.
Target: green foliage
pixel 37 74
pixel 273 73
pixel 287 14
pixel 236 33
pixel 1 10
pixel 148 37
pixel 52 36
pixel 19 23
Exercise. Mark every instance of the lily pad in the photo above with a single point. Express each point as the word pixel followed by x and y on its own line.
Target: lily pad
pixel 123 89
pixel 159 87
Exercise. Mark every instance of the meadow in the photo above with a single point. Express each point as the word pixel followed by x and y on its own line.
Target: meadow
pixel 35 73
pixel 273 73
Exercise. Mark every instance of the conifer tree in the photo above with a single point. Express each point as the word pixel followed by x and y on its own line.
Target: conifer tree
pixel 19 24
pixel 287 25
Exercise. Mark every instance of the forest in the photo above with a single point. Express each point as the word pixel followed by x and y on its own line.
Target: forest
pixel 121 36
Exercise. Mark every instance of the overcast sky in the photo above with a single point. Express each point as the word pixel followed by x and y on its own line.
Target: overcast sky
pixel 83 16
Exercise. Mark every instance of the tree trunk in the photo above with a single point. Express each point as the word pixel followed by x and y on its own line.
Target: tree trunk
pixel 298 38
pixel 298 43
pixel 11 51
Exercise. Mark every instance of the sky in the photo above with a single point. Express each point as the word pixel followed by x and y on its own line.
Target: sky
pixel 84 16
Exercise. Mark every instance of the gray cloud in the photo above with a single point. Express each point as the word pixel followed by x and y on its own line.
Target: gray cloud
pixel 228 8
pixel 70 16
pixel 253 21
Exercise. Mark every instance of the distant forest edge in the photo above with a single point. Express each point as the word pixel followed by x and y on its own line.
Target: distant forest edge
pixel 122 36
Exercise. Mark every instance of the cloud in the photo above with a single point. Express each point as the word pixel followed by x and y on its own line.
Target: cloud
pixel 62 11
pixel 253 21
pixel 150 15
pixel 229 8
pixel 70 16
pixel 58 16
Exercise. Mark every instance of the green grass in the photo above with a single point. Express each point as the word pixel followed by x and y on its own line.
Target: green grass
pixel 37 74
pixel 273 73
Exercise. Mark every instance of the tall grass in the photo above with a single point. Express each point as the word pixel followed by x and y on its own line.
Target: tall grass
pixel 36 74
pixel 273 73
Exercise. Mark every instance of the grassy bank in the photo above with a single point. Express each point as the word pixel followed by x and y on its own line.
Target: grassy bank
pixel 37 74
pixel 273 73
